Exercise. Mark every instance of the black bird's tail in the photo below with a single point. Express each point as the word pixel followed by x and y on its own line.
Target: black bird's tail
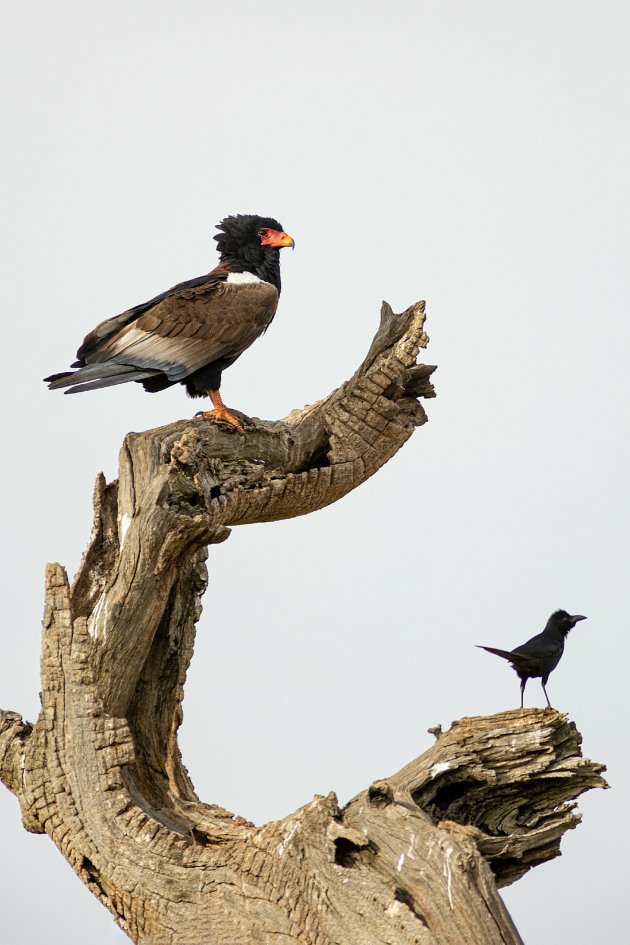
pixel 503 653
pixel 518 660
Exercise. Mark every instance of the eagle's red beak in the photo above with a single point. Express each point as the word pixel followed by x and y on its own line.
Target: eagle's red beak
pixel 276 238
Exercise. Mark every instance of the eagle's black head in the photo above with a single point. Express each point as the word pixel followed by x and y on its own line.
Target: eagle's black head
pixel 249 243
pixel 563 621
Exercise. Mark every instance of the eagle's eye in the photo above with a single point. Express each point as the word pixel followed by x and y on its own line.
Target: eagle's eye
pixel 262 233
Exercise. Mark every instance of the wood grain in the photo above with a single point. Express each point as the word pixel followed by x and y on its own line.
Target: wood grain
pixel 413 859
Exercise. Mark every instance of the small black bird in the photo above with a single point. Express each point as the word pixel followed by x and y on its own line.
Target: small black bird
pixel 540 655
pixel 192 332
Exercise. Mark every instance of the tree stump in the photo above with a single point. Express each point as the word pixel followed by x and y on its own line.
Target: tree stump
pixel 416 858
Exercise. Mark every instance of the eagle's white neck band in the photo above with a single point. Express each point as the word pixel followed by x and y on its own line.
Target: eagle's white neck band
pixel 243 277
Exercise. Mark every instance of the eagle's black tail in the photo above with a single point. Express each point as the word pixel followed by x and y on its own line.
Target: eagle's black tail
pixel 95 376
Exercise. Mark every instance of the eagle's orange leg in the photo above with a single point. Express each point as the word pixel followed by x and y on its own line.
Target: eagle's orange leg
pixel 220 412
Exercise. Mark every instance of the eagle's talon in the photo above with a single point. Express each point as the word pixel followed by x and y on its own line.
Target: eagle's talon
pixel 221 413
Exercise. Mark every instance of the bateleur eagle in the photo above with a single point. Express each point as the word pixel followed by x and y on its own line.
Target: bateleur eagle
pixel 192 332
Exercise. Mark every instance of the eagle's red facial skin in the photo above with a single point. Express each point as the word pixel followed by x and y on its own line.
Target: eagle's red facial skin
pixel 275 238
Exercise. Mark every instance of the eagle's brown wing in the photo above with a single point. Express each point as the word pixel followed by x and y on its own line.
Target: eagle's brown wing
pixel 193 328
pixel 187 329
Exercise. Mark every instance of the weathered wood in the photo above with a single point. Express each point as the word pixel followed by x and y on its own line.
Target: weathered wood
pixel 411 860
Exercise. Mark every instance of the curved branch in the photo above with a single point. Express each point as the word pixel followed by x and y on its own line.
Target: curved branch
pixel 101 772
pixel 182 486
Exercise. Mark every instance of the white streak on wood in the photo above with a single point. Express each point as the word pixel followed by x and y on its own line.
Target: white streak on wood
pixel 410 853
pixel 125 522
pixel 448 874
pixel 400 862
pixel 287 839
pixel 439 768
pixel 98 621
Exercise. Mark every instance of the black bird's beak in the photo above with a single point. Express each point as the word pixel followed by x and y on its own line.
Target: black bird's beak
pixel 577 617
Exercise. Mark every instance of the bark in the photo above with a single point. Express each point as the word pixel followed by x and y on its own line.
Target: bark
pixel 415 858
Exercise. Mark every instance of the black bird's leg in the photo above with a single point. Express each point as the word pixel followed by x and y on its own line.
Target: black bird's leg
pixel 523 681
pixel 542 683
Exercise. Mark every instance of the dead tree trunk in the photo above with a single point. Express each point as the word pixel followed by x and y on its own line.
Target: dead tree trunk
pixel 414 859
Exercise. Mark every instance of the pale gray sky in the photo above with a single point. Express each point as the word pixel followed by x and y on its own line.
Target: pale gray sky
pixel 473 154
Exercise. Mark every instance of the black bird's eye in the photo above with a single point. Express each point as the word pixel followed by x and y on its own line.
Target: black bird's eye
pixel 262 233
